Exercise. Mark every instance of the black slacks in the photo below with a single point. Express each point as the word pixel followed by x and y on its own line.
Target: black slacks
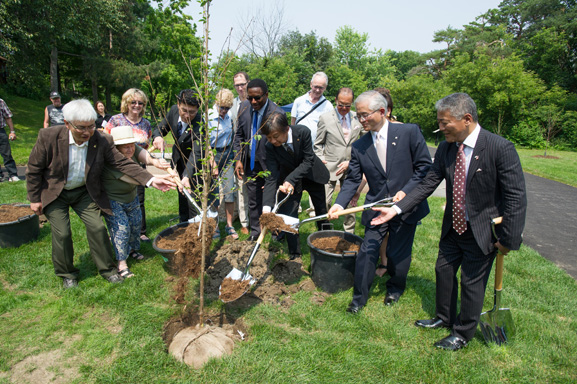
pixel 461 251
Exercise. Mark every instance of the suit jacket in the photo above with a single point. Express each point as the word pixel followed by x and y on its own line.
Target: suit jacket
pixel 495 187
pixel 304 164
pixel 408 161
pixel 330 144
pixel 184 144
pixel 48 166
pixel 243 134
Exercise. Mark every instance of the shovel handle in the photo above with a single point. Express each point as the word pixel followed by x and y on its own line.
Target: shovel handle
pixel 499 271
pixel 175 177
pixel 500 258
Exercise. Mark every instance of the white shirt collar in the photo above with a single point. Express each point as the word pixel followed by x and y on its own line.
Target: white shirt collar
pixel 471 140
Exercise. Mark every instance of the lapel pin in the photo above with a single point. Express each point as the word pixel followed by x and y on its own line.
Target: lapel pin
pixel 476 157
pixel 396 137
pixel 478 169
pixel 394 143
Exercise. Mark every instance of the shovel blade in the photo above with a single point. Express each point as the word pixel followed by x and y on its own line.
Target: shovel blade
pixel 236 274
pixel 497 326
pixel 290 221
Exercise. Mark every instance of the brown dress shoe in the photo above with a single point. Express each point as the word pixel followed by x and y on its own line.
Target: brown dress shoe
pixel 244 230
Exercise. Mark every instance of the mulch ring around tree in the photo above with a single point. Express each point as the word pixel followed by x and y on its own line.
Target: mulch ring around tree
pixel 12 212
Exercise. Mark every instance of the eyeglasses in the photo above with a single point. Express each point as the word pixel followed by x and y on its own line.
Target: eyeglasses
pixel 365 116
pixel 344 105
pixel 257 98
pixel 317 87
pixel 83 128
pixel 240 85
pixel 136 103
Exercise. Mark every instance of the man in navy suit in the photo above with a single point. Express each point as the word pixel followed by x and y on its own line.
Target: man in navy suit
pixel 249 146
pixel 492 185
pixel 394 158
pixel 293 167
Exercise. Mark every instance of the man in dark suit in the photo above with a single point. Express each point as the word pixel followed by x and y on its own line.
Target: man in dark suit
pixel 63 172
pixel 484 180
pixel 249 146
pixel 183 122
pixel 293 167
pixel 394 158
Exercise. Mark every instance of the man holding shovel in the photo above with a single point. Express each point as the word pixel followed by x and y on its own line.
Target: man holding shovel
pixel 484 180
pixel 394 158
pixel 293 167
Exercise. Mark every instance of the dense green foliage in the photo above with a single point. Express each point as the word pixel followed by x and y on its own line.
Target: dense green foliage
pixel 517 61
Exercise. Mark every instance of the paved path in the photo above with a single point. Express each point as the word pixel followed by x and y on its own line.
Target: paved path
pixel 551 226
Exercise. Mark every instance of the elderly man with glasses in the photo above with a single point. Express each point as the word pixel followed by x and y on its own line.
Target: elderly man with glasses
pixel 64 172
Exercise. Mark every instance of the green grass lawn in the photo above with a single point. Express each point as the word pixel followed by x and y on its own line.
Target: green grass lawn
pixel 103 333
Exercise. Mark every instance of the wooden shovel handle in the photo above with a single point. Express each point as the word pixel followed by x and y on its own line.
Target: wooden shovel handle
pixel 499 271
pixel 175 177
pixel 350 210
pixel 499 261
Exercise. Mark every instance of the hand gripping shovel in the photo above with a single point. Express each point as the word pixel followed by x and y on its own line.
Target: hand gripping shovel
pixel 176 179
pixel 236 274
pixel 295 223
pixel 497 324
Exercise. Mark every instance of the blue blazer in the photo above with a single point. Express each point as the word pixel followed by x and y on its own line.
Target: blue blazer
pixel 408 161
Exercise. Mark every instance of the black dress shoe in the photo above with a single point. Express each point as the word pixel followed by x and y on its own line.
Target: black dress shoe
pixel 252 238
pixel 451 343
pixel 69 283
pixel 391 298
pixel 354 309
pixel 115 279
pixel 432 323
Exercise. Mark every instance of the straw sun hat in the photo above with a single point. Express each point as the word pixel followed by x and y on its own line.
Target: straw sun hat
pixel 122 135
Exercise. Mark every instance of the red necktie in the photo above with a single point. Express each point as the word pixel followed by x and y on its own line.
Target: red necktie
pixel 459 221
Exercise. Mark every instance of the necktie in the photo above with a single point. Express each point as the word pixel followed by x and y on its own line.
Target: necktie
pixel 459 222
pixel 253 141
pixel 288 148
pixel 180 129
pixel 346 128
pixel 382 151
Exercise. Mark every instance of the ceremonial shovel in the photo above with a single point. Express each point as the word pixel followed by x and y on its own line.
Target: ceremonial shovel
pixel 295 223
pixel 236 274
pixel 497 324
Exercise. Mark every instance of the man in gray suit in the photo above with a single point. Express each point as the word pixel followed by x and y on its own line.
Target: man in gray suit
pixel 484 180
pixel 63 172
pixel 240 80
pixel 337 131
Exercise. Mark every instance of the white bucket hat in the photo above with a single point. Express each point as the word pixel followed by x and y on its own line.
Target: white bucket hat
pixel 122 135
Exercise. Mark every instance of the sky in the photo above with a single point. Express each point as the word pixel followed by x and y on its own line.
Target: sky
pixel 395 25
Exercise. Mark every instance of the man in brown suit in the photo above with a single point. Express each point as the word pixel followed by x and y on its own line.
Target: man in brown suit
pixel 63 172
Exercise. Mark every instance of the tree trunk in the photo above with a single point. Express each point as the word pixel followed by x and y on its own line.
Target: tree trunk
pixel 108 100
pixel 54 69
pixel 94 90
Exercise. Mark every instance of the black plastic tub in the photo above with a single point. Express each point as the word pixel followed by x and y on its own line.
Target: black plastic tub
pixel 168 254
pixel 21 231
pixel 332 272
